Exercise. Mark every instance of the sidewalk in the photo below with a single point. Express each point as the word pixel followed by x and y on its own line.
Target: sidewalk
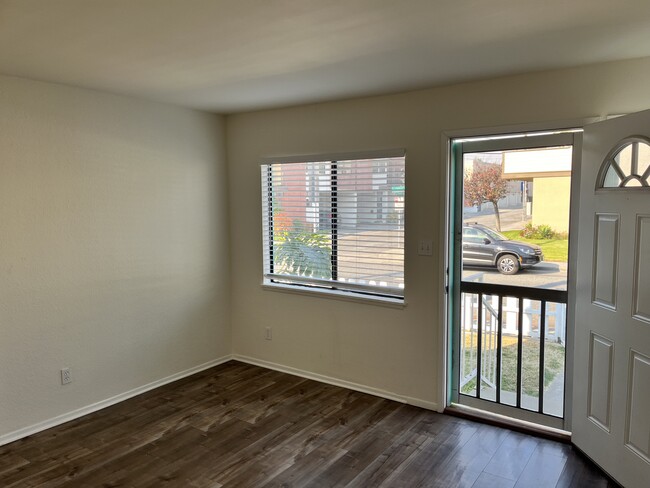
pixel 511 218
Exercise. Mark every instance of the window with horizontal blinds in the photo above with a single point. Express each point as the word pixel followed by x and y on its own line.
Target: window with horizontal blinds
pixel 335 224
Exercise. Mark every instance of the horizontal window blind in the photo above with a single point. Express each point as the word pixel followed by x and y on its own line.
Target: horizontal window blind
pixel 335 224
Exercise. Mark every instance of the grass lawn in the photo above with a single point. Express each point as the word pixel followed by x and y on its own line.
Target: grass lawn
pixel 553 249
pixel 553 359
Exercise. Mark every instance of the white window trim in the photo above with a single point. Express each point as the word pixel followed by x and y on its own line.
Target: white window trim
pixel 331 294
pixel 342 156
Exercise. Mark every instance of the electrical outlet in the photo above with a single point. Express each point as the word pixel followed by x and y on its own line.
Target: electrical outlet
pixel 268 333
pixel 66 377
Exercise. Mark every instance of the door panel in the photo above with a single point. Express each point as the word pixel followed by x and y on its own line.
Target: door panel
pixel 477 252
pixel 600 380
pixel 605 260
pixel 475 249
pixel 642 269
pixel 638 423
pixel 610 420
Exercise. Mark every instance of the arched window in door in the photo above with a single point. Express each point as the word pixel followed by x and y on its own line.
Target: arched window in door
pixel 627 165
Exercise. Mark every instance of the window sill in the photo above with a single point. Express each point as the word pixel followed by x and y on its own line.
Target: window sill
pixel 335 295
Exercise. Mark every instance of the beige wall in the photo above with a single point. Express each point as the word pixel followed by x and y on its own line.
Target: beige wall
pixel 396 351
pixel 551 202
pixel 114 255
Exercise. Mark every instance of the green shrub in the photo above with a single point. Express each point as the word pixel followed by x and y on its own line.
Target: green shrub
pixel 299 252
pixel 528 232
pixel 539 232
pixel 545 232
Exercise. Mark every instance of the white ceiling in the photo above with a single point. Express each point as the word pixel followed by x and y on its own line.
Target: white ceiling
pixel 235 55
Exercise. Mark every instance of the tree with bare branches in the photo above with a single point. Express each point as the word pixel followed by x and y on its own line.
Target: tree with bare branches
pixel 485 184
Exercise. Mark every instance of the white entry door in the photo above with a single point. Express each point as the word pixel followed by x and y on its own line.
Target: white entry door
pixel 611 391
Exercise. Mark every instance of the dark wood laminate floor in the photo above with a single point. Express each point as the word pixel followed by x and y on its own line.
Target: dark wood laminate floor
pixel 238 425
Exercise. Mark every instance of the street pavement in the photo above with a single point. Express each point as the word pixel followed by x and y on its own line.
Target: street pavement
pixel 511 218
pixel 548 275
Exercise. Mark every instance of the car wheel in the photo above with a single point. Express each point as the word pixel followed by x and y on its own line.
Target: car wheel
pixel 508 264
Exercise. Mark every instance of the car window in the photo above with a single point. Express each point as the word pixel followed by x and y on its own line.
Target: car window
pixel 481 235
pixel 473 235
pixel 493 235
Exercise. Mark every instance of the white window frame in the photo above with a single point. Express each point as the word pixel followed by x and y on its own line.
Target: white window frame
pixel 394 297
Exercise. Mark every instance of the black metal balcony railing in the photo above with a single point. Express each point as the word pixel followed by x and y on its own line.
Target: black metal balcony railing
pixel 512 346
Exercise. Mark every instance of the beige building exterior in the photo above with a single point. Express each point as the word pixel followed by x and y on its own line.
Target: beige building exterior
pixel 549 170
pixel 551 202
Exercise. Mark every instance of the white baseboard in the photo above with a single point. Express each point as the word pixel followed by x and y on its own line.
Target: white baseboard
pixel 80 412
pixel 418 402
pixel 337 382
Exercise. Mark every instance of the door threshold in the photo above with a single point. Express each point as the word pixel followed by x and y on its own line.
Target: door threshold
pixel 537 430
